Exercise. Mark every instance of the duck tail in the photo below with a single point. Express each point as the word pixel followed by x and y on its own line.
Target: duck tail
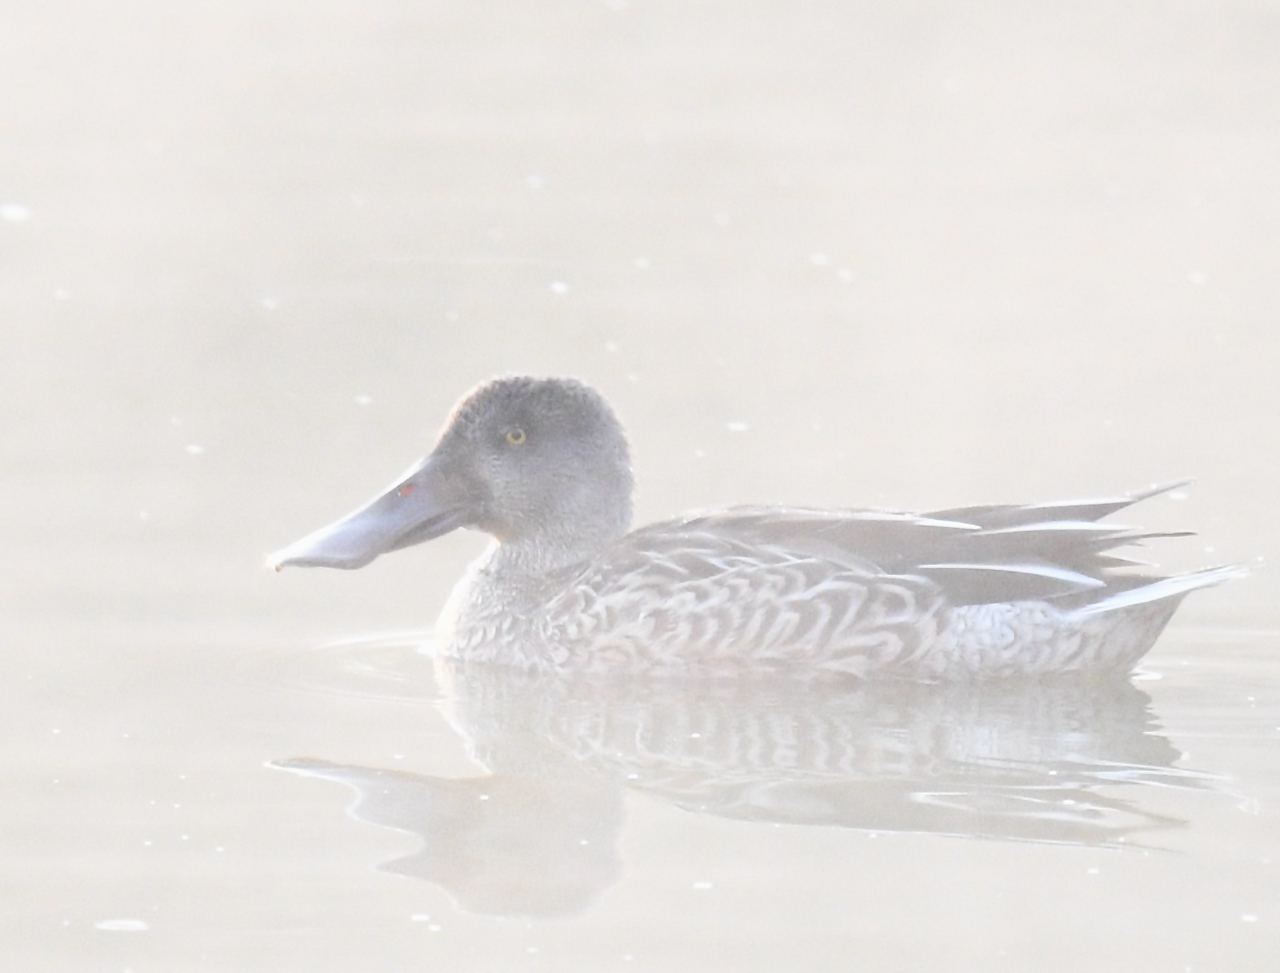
pixel 1164 588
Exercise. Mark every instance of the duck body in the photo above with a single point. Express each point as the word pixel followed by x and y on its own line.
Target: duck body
pixel 746 591
pixel 961 594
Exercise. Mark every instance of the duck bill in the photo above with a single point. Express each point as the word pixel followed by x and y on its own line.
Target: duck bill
pixel 426 502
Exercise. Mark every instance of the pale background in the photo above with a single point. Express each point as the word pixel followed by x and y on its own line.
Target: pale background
pixel 907 255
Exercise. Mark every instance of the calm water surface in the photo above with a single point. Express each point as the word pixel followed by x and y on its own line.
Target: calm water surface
pixel 831 254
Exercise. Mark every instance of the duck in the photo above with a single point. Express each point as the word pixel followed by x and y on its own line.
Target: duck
pixel 542 465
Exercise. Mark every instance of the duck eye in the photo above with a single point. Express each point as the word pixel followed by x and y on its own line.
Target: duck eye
pixel 516 437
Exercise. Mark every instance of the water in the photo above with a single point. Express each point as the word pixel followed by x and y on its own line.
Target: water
pixel 831 255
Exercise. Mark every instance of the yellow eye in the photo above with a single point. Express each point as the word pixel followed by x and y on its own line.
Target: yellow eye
pixel 516 437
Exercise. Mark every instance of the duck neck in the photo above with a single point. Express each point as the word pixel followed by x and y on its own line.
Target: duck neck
pixel 545 555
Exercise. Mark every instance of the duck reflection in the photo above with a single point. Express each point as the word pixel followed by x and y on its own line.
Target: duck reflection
pixel 537 834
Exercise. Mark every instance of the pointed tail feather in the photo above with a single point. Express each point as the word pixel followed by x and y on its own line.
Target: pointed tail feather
pixel 1006 515
pixel 1174 587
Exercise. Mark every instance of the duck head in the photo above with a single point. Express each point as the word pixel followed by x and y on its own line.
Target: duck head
pixel 538 463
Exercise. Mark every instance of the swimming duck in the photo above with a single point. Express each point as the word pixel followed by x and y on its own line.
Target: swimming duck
pixel 542 465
